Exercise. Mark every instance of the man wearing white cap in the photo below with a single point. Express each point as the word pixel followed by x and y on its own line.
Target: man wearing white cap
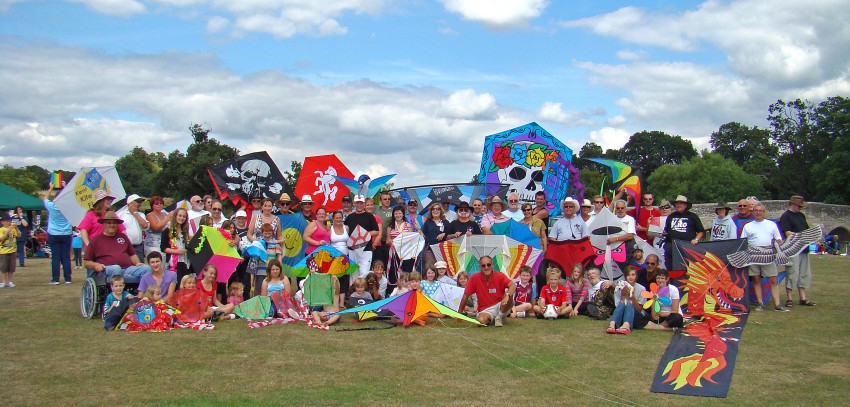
pixel 570 226
pixel 360 217
pixel 135 222
pixel 307 208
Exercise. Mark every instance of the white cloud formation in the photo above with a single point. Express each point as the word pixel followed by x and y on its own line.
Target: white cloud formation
pixel 114 7
pixel 498 14
pixel 554 112
pixel 279 18
pixel 610 137
pixel 786 43
pixel 75 107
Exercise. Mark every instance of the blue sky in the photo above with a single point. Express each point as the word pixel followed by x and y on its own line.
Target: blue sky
pixel 411 87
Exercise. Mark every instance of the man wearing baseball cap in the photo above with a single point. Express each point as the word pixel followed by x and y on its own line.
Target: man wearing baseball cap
pixel 360 217
pixel 307 208
pixel 346 206
pixel 135 222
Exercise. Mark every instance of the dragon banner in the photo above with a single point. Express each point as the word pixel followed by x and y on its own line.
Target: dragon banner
pixel 701 356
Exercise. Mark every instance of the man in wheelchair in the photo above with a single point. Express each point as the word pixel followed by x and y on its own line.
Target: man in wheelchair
pixel 111 252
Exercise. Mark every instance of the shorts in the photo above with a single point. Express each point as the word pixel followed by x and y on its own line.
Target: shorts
pixel 493 311
pixel 798 273
pixel 765 270
pixel 8 263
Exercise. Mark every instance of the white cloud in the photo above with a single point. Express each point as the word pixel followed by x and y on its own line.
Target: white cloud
pixel 76 107
pixel 553 112
pixel 498 14
pixel 216 24
pixel 610 137
pixel 114 7
pixel 784 43
pixel 466 104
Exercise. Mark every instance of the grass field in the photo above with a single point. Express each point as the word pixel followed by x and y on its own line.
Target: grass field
pixel 52 355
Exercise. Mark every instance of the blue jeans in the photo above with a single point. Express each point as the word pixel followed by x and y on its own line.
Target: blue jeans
pixel 132 274
pixel 60 251
pixel 22 251
pixel 622 314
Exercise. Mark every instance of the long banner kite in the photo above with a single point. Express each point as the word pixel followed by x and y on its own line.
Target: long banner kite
pixel 701 356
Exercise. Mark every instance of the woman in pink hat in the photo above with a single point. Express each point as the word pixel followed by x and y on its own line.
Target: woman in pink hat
pixel 90 227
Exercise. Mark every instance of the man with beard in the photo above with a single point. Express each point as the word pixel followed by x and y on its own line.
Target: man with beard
pixel 681 225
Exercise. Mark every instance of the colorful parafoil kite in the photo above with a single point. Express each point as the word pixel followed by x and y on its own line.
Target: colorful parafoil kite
pixel 408 307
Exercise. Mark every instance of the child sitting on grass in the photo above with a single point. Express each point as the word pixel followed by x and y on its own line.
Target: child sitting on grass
pixel 152 294
pixel 525 294
pixel 554 294
pixel 215 309
pixel 358 291
pixel 325 315
pixel 383 288
pixel 188 282
pixel 236 293
pixel 629 301
pixel 442 273
pixel 116 303
pixel 670 316
pixel 429 285
pixel 579 288
pixel 403 284
pixel 470 308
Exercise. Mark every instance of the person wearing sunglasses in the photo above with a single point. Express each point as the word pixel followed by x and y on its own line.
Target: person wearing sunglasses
pixel 463 225
pixel 513 210
pixel 642 216
pixel 494 291
pixel 197 210
pixel 217 214
pixel 598 205
pixel 745 214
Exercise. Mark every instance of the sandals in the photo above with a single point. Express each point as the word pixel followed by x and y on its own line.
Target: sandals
pixel 624 331
pixel 611 331
pixel 807 303
pixel 790 303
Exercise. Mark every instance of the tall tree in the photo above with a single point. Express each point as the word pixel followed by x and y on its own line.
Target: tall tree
pixel 20 179
pixel 649 150
pixel 40 175
pixel 705 178
pixel 291 175
pixel 831 176
pixel 138 170
pixel 186 175
pixel 750 148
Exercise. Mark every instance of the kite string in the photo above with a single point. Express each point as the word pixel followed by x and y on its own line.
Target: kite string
pixel 471 341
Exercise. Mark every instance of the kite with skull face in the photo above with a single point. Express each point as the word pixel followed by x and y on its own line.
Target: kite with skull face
pixel 249 175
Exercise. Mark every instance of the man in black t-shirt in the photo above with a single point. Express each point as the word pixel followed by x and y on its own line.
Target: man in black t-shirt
pixel 681 225
pixel 798 273
pixel 463 225
pixel 363 257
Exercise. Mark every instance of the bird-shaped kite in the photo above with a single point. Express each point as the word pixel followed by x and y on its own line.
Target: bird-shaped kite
pixel 780 253
pixel 364 185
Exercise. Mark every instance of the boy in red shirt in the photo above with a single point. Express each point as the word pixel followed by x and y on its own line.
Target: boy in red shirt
pixel 555 294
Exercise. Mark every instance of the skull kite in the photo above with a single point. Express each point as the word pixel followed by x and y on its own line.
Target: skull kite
pixel 254 175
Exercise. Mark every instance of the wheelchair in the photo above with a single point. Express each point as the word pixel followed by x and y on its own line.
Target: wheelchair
pixel 96 288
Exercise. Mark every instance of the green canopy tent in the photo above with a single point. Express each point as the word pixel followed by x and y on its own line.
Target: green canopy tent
pixel 11 197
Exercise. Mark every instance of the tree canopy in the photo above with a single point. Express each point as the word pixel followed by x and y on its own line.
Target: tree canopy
pixel 705 178
pixel 648 150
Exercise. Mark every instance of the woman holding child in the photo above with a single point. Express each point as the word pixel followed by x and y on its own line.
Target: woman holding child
pixel 166 280
pixel 264 217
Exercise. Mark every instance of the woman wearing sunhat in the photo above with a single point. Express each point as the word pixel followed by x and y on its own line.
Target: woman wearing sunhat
pixel 681 225
pixel 723 227
pixel 90 227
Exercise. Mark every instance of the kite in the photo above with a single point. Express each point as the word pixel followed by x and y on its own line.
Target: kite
pixel 248 175
pixel 649 249
pixel 359 238
pixel 701 356
pixel 56 179
pixel 567 253
pixel 257 250
pixel 212 246
pixel 78 195
pixel 148 316
pixel 612 257
pixel 529 159
pixel 408 307
pixel 191 303
pixel 326 259
pixel 462 254
pixel 517 231
pixel 408 245
pixel 292 226
pixel 426 195
pixel 780 253
pixel 364 185
pixel 320 289
pixel 317 179
pixel 627 174
pixel 449 295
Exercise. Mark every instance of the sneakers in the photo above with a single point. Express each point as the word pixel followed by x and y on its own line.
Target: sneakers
pixel 67 282
pixel 2 285
pixel 10 284
pixel 53 283
pixel 759 307
pixel 498 321
pixel 520 314
pixel 780 308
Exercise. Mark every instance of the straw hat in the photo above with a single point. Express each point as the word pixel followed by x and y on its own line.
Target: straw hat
pixel 109 216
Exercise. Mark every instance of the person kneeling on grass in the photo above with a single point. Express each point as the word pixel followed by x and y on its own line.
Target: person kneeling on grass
pixel 208 285
pixel 670 316
pixel 554 294
pixel 494 291
pixel 629 302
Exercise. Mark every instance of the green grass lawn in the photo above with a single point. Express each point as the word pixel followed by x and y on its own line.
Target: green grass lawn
pixel 52 355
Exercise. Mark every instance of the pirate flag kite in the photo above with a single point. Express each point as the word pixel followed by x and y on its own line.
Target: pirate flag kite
pixel 249 175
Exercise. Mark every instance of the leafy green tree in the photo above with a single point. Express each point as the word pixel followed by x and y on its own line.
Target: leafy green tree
pixel 40 175
pixel 21 179
pixel 831 176
pixel 705 178
pixel 291 175
pixel 184 175
pixel 138 170
pixel 750 148
pixel 648 150
pixel 591 150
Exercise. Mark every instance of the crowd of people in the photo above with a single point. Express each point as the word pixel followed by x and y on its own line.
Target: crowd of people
pixel 151 249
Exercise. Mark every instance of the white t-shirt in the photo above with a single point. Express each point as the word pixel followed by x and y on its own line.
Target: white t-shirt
pixel 134 230
pixel 517 216
pixel 673 294
pixel 761 233
pixel 629 222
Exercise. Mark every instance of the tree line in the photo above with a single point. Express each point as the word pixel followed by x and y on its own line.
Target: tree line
pixel 804 150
